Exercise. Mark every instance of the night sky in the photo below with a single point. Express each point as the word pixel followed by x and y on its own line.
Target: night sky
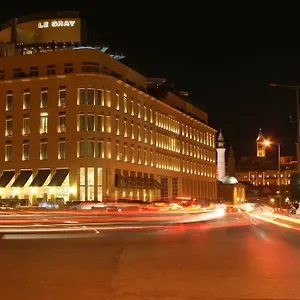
pixel 223 56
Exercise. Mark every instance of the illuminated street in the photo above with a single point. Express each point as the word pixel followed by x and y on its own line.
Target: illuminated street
pixel 231 257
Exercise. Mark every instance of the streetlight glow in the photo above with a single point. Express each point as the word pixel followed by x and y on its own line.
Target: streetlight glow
pixel 267 143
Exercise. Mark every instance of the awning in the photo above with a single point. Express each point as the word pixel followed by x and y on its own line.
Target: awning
pixel 140 182
pixel 6 177
pixel 119 180
pixel 22 178
pixel 133 181
pixel 40 178
pixel 154 183
pixel 59 177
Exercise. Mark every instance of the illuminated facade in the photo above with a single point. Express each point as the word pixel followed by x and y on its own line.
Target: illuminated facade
pixel 78 124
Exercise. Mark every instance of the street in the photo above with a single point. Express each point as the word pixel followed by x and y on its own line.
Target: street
pixel 229 258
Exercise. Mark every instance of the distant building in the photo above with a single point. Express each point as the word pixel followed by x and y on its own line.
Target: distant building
pixel 260 173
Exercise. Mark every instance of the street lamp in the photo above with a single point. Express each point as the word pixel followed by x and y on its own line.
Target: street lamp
pixel 296 88
pixel 269 143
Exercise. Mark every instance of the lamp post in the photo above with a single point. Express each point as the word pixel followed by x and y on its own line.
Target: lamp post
pixel 296 88
pixel 268 143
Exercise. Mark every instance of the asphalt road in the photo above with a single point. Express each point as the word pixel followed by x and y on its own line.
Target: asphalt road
pixel 231 258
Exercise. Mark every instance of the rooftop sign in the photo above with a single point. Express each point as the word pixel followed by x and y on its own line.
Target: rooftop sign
pixel 56 23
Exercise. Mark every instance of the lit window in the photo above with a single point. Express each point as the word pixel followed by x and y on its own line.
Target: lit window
pixel 108 123
pixel 44 99
pixel 43 150
pixel 81 123
pixel 9 127
pixel 9 102
pixel 90 148
pixel 26 125
pixel 90 97
pixel 62 150
pixel 125 103
pixel 81 96
pixel 25 150
pixel 26 100
pixel 81 148
pixel 62 97
pixel 117 101
pixel 90 123
pixel 8 152
pixel 61 123
pixel 108 98
pixel 44 123
pixel 100 98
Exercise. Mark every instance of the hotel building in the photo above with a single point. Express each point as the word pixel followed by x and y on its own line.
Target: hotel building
pixel 76 123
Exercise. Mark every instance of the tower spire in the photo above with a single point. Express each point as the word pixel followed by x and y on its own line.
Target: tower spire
pixel 220 140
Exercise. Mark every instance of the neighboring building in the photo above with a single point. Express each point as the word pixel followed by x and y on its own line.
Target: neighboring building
pixel 263 171
pixel 79 124
pixel 230 190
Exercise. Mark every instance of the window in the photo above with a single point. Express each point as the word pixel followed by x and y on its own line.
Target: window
pixel 8 126
pixel 33 71
pixel 139 132
pixel 43 150
pixel 117 101
pixel 100 123
pixel 62 149
pixel 26 100
pixel 61 122
pixel 139 155
pixel 108 123
pixel 145 113
pixel 139 110
pixel 91 123
pixel 9 101
pixel 91 96
pixel 44 99
pixel 68 68
pixel 8 151
pixel 81 148
pixel 62 97
pixel 81 123
pixel 132 107
pixel 81 96
pixel 145 157
pixel 125 128
pixel 117 126
pixel 132 153
pixel 100 149
pixel 44 123
pixel 132 130
pixel 91 148
pixel 108 98
pixel 26 125
pixel 151 115
pixel 51 70
pixel 100 99
pixel 25 150
pixel 125 103
pixel 145 134
pixel 90 67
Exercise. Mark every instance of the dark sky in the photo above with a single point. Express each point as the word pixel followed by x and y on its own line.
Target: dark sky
pixel 223 56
